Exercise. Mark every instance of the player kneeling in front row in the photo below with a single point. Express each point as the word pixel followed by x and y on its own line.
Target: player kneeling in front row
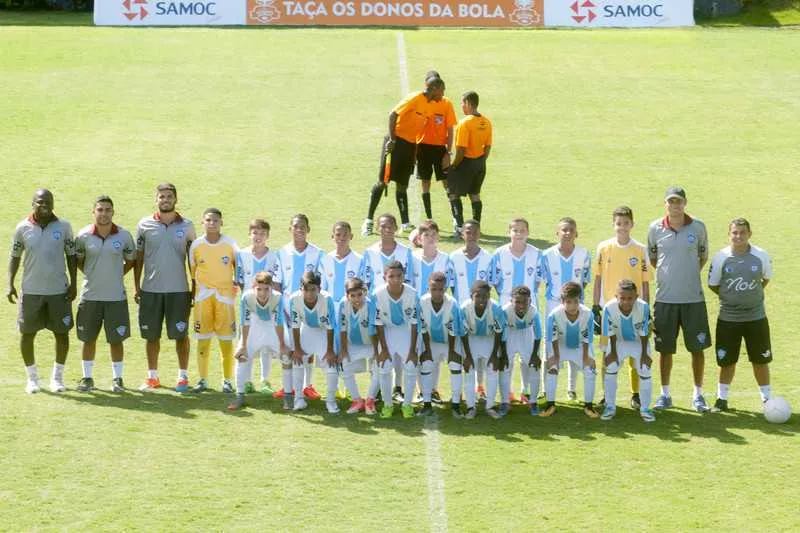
pixel 570 328
pixel 485 330
pixel 738 274
pixel 262 333
pixel 311 317
pixel 523 337
pixel 358 343
pixel 440 325
pixel 626 323
pixel 397 309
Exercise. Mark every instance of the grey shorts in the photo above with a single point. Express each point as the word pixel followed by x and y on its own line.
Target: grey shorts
pixel 37 311
pixel 94 315
pixel 692 318
pixel 157 307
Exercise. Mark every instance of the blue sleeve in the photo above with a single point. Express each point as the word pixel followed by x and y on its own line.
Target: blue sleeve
pixel 606 327
pixel 587 269
pixel 537 326
pixel 495 274
pixel 372 312
pixel 363 271
pixel 341 320
pixel 279 318
pixel 410 269
pixel 550 329
pixel 332 314
pixel 590 330
pixel 646 320
pixel 239 278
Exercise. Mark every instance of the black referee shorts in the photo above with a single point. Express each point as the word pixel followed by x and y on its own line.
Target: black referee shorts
pixel 467 177
pixel 403 159
pixel 429 162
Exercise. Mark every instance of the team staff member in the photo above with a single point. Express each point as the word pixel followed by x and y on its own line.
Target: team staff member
pixel 473 145
pixel 678 249
pixel 106 252
pixel 44 243
pixel 162 243
pixel 406 122
pixel 434 146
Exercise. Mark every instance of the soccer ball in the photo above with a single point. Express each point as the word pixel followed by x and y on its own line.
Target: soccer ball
pixel 777 410
pixel 414 238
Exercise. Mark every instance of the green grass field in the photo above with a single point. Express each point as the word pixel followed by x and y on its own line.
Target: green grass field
pixel 272 122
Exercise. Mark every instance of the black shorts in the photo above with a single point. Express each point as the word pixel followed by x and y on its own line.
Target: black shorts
pixel 756 339
pixel 93 315
pixel 155 307
pixel 691 318
pixel 467 177
pixel 403 159
pixel 429 162
pixel 37 311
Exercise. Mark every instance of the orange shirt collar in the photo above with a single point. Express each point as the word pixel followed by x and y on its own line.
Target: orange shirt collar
pixel 178 217
pixel 665 221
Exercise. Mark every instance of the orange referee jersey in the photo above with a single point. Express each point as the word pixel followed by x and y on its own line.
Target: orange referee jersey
pixel 443 117
pixel 412 114
pixel 474 134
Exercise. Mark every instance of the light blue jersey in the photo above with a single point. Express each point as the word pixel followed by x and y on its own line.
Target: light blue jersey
pixel 557 270
pixel 530 321
pixel 359 325
pixel 321 315
pixel 509 271
pixel 626 327
pixel 464 272
pixel 293 264
pixel 441 324
pixel 335 272
pixel 371 271
pixel 400 312
pixel 423 269
pixel 570 335
pixel 492 321
pixel 248 265
pixel 256 314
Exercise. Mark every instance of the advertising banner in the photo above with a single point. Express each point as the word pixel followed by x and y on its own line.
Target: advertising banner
pixel 169 13
pixel 618 13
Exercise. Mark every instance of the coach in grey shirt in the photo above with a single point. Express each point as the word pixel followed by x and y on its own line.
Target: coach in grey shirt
pixel 678 249
pixel 162 289
pixel 44 243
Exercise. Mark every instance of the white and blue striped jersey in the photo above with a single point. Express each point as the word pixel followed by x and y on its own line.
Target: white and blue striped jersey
pixel 492 321
pixel 371 271
pixel 557 270
pixel 464 272
pixel 570 335
pixel 293 264
pixel 335 272
pixel 359 325
pixel 441 324
pixel 269 313
pixel 529 321
pixel 248 265
pixel 322 315
pixel 626 328
pixel 401 312
pixel 423 269
pixel 509 271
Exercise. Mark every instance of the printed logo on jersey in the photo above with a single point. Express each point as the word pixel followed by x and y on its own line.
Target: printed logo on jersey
pixel 309 267
pixel 728 269
pixel 180 326
pixel 754 268
pixel 180 234
pixel 117 245
pixel 721 353
pixel 196 326
pixel 691 238
pixel 350 274
pixel 577 272
pixel 323 320
pixel 701 337
pixel 121 330
pixel 481 274
pixel 225 259
pixel 766 354
pixel 633 261
pixel 56 235
pixel 530 271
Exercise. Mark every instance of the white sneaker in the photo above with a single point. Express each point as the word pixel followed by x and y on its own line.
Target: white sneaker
pixel 332 407
pixel 299 404
pixel 32 387
pixel 56 385
pixel 366 227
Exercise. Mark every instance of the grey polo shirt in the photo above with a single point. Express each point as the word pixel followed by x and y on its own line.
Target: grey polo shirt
pixel 103 262
pixel 44 267
pixel 739 278
pixel 164 247
pixel 677 254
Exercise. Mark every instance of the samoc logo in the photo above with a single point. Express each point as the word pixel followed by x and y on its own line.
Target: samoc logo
pixel 133 9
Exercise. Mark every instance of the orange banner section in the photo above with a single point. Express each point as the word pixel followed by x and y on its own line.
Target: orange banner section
pixel 508 13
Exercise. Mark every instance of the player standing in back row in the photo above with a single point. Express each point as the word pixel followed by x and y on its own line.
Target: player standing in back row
pixel 406 122
pixel 473 145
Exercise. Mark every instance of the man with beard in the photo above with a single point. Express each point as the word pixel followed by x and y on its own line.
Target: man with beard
pixel 162 242
pixel 45 245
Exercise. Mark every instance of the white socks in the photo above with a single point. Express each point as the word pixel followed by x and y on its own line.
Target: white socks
pixel 116 369
pixel 266 365
pixel 243 373
pixel 87 368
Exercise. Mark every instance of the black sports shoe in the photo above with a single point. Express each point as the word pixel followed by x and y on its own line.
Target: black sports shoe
pixel 636 402
pixel 117 385
pixel 85 385
pixel 720 406
pixel 397 395
pixel 436 397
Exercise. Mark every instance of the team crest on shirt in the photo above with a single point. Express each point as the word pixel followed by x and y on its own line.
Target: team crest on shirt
pixel 577 272
pixel 754 268
pixel 121 330
pixel 633 261
pixel 180 234
pixel 225 259
pixel 691 238
pixel 56 235
pixel 409 311
pixel 323 320
pixel 196 326
pixel 364 323
pixel 530 271
pixel 701 337
pixel 180 326
pixel 309 267
pixel 481 274
pixel 721 353
pixel 438 119
pixel 351 274
pixel 728 269
pixel 117 245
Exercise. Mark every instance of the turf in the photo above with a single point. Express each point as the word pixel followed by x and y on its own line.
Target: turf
pixel 272 122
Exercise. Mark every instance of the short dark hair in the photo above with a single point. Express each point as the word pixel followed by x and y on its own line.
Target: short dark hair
pixel 521 290
pixel 166 186
pixel 438 277
pixel 434 83
pixel 471 222
pixel 310 278
pixel 627 285
pixel 262 277
pixel 394 265
pixel 104 199
pixel 342 224
pixel 471 97
pixel 519 220
pixel 568 220
pixel 428 225
pixel 479 285
pixel 258 223
pixel 571 289
pixel 622 211
pixel 740 221
pixel 301 217
pixel 212 211
pixel 353 284
pixel 389 216
pixel 431 74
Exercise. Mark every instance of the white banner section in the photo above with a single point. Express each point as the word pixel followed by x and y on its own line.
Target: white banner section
pixel 169 13
pixel 618 13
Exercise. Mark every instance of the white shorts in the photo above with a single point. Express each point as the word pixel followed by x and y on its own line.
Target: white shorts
pixel 358 352
pixel 262 337
pixel 519 342
pixel 398 340
pixel 480 347
pixel 440 351
pixel 629 349
pixel 574 355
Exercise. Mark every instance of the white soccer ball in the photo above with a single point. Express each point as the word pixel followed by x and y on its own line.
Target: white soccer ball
pixel 777 410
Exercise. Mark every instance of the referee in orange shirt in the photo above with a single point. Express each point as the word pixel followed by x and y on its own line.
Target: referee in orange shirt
pixel 406 122
pixel 473 144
